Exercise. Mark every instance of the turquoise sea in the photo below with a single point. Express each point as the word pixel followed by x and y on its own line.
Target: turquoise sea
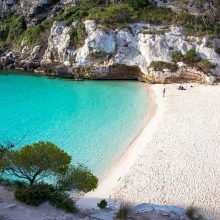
pixel 94 121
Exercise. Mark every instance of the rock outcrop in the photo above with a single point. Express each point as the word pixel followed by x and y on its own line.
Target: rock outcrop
pixel 117 54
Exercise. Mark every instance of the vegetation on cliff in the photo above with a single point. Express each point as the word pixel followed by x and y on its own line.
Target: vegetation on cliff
pixel 193 60
pixel 190 58
pixel 14 28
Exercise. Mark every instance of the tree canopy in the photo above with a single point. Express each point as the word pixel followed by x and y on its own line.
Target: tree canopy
pixel 36 162
pixel 42 161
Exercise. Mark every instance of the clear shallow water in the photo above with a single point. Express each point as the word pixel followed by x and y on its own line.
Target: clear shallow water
pixel 94 121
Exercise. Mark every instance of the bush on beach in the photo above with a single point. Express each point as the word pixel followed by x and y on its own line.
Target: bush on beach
pixel 123 211
pixel 62 200
pixel 193 213
pixel 102 204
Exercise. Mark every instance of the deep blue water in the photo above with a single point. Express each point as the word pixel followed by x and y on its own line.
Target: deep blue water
pixel 94 121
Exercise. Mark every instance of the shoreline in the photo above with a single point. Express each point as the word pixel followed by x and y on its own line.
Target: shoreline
pixel 121 166
pixel 150 112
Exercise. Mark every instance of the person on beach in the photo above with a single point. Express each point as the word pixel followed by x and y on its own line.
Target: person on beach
pixel 164 90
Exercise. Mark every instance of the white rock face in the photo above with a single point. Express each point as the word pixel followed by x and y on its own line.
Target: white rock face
pixel 58 50
pixel 97 43
pixel 136 46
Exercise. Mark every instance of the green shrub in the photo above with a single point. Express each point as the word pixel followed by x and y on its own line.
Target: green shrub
pixel 123 211
pixel 102 204
pixel 6 182
pixel 138 4
pixel 78 34
pixel 78 178
pixel 71 14
pixel 190 57
pixel 17 27
pixel 193 213
pixel 205 65
pixel 39 193
pixel 114 13
pixel 161 65
pixel 19 184
pixel 61 200
pixel 12 27
pixel 35 33
pixel 177 56
pixel 13 183
pixel 35 194
pixel 157 15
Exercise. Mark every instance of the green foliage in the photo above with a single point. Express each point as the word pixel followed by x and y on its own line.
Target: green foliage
pixel 72 14
pixel 36 162
pixel 161 65
pixel 10 28
pixel 61 200
pixel 123 211
pixel 102 204
pixel 157 15
pixel 39 193
pixel 113 14
pixel 12 183
pixel 138 4
pixel 193 25
pixel 39 161
pixel 78 34
pixel 190 57
pixel 34 35
pixel 35 194
pixel 13 28
pixel 17 27
pixel 177 56
pixel 193 213
pixel 205 65
pixel 79 178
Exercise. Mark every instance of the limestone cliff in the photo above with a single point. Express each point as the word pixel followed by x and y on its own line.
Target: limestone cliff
pixel 105 53
pixel 119 54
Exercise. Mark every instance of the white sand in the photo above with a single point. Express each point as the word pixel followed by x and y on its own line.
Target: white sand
pixel 181 164
pixel 176 160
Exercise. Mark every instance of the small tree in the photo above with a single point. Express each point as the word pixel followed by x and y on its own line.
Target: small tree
pixel 102 204
pixel 78 178
pixel 41 160
pixel 36 162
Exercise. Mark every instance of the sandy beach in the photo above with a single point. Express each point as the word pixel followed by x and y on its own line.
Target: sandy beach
pixel 176 159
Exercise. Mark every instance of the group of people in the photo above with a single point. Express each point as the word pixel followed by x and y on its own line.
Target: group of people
pixel 181 87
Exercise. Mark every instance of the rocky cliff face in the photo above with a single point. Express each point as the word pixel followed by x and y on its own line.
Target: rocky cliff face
pixel 125 53
pixel 33 10
pixel 118 54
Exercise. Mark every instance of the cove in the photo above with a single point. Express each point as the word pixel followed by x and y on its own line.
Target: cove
pixel 94 121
